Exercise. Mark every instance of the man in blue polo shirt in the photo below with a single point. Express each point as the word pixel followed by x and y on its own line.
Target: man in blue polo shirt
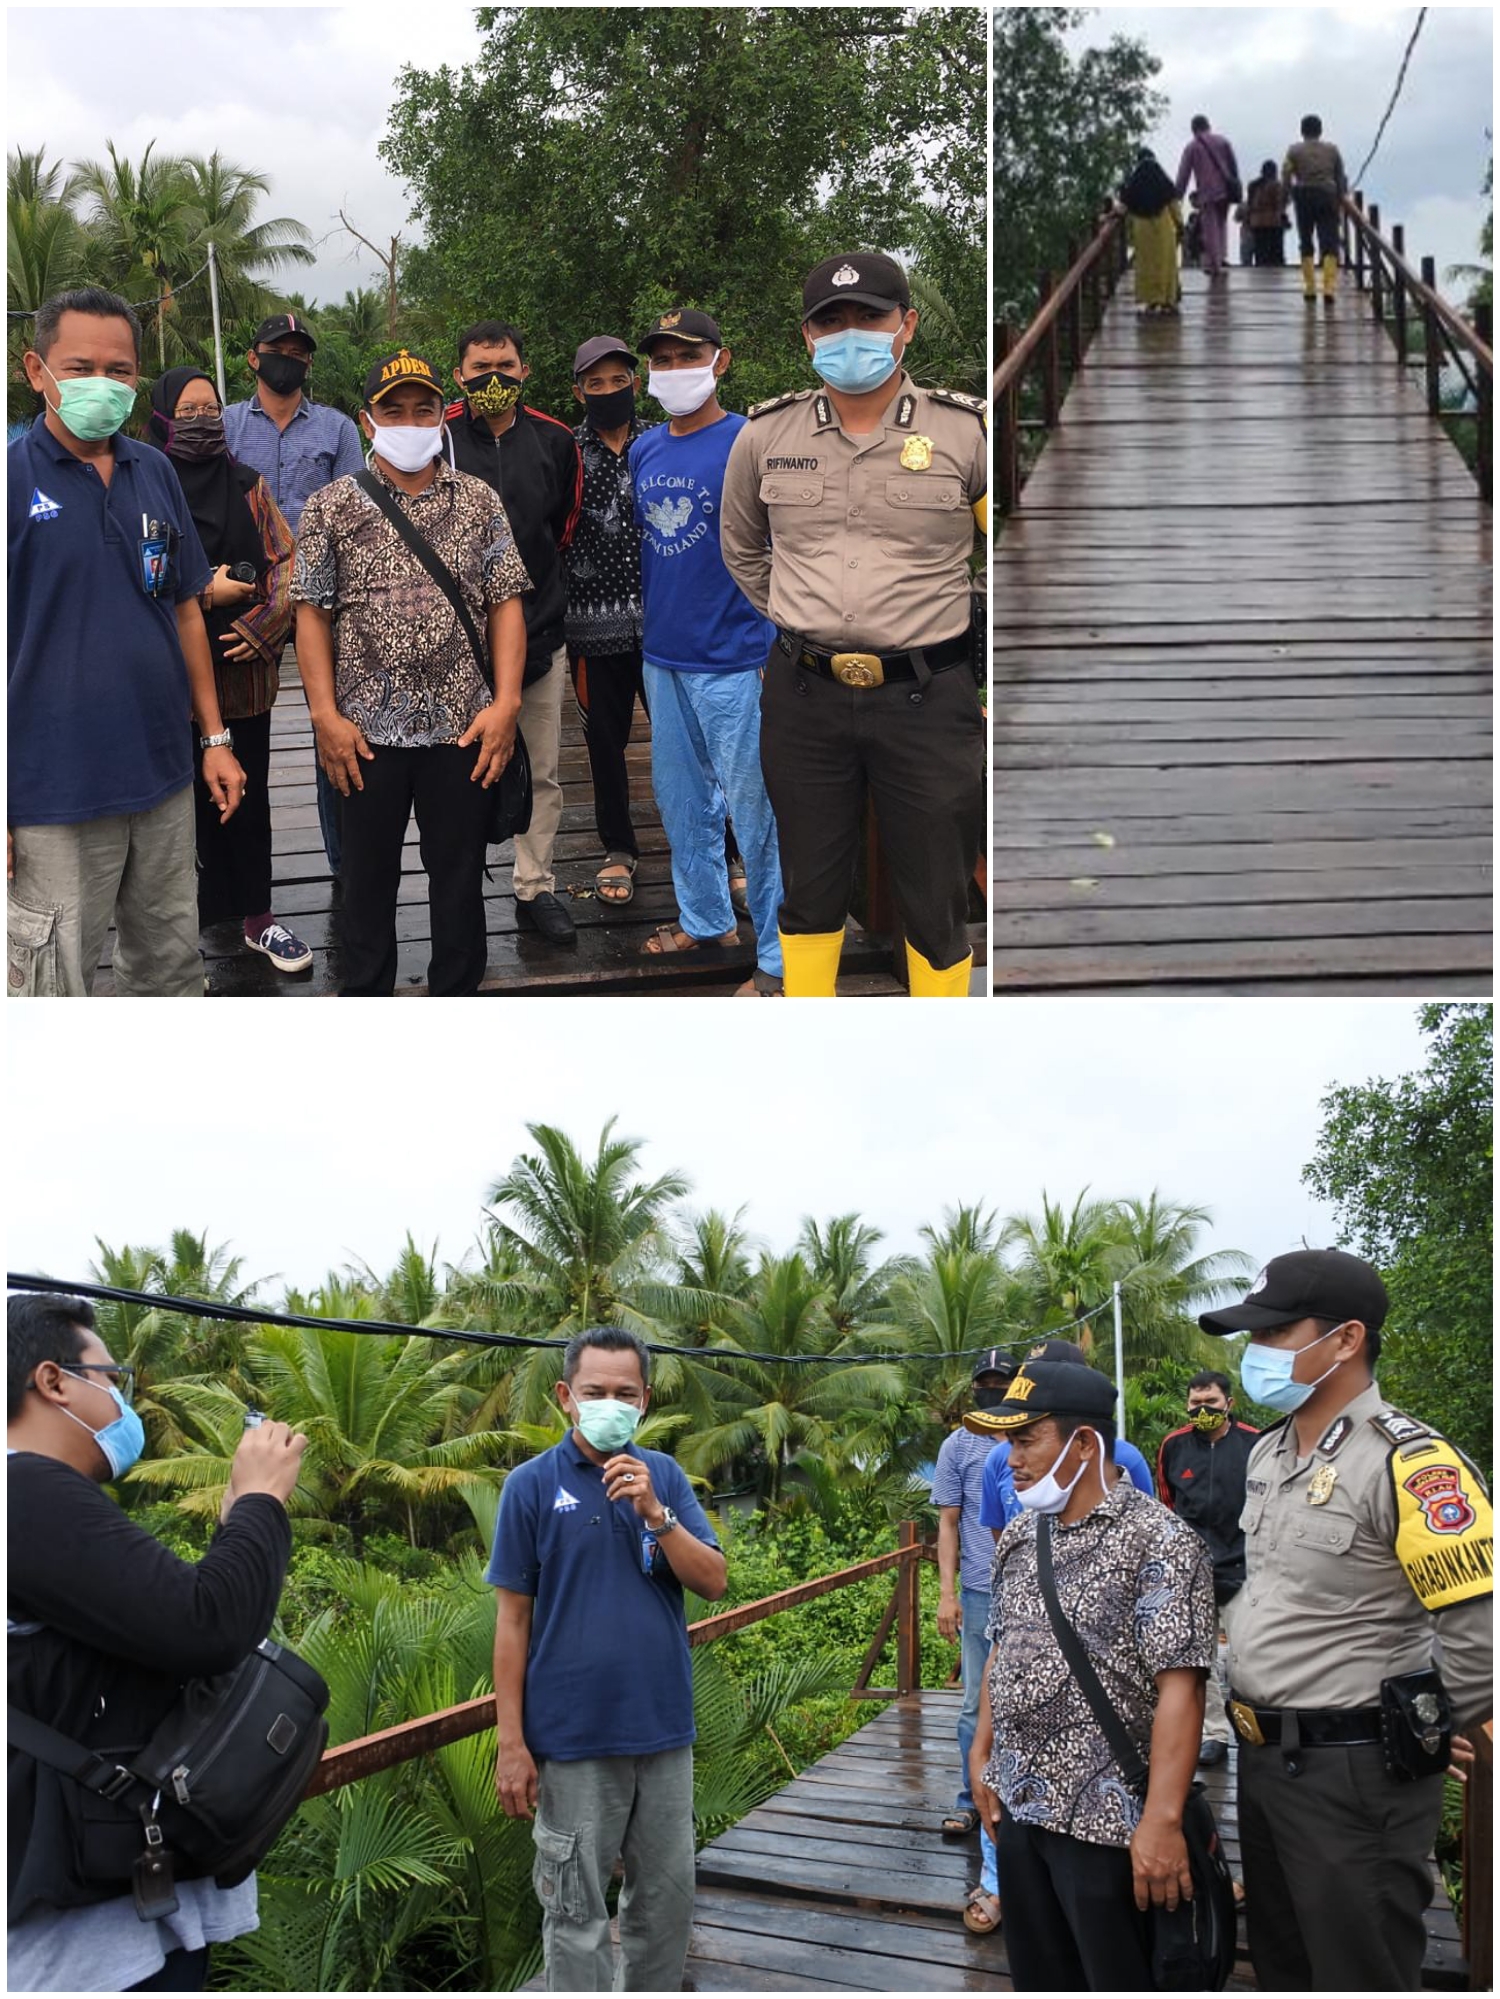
pixel 704 645
pixel 109 669
pixel 297 446
pixel 594 1546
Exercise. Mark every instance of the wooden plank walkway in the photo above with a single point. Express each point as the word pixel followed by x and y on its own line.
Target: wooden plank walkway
pixel 1241 674
pixel 842 1880
pixel 607 958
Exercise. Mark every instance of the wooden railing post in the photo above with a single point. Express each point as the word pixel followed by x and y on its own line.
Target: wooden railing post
pixel 1483 392
pixel 1073 323
pixel 1048 359
pixel 1377 265
pixel 1398 293
pixel 1479 1862
pixel 1432 341
pixel 1007 441
pixel 909 1616
pixel 1359 246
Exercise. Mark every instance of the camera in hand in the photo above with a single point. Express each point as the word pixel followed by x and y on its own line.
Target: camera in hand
pixel 242 572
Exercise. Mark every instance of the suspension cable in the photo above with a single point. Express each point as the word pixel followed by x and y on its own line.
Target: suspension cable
pixel 1400 80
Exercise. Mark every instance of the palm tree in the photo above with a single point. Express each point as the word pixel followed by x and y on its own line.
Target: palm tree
pixel 969 1226
pixel 142 225
pixel 715 1255
pixel 1067 1263
pixel 841 1257
pixel 224 198
pixel 1165 1282
pixel 958 1300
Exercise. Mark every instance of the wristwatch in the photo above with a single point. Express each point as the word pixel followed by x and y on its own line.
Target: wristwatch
pixel 223 741
pixel 668 1522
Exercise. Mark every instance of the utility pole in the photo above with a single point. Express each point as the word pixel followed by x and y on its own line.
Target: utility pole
pixel 1119 1367
pixel 213 296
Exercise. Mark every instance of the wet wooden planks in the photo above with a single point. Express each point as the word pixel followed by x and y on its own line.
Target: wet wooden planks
pixel 843 1881
pixel 608 956
pixel 1242 668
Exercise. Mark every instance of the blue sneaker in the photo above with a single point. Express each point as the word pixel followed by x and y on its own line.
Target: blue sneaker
pixel 286 952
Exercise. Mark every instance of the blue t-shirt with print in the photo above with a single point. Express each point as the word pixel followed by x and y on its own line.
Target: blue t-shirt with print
pixel 998 1504
pixel 696 617
pixel 608 1672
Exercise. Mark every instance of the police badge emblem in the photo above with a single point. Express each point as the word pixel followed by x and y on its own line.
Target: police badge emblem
pixel 916 454
pixel 845 275
pixel 1320 1485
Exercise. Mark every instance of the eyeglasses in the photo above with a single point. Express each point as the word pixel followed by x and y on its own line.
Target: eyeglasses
pixel 185 410
pixel 119 1372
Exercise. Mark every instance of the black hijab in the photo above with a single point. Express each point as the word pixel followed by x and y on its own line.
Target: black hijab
pixel 214 487
pixel 1149 187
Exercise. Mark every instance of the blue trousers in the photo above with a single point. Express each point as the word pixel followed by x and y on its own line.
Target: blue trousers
pixel 975 1604
pixel 705 765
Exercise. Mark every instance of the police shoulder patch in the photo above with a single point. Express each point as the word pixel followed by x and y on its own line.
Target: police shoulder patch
pixel 1398 1429
pixel 975 405
pixel 778 402
pixel 1445 1536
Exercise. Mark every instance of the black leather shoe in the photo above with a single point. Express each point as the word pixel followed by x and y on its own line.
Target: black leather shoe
pixel 549 918
pixel 1212 1753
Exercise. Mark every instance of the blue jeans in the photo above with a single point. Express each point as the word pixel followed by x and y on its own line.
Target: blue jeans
pixel 975 1604
pixel 705 766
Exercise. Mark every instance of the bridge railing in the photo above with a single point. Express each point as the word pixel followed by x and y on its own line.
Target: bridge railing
pixel 350 1761
pixel 1424 327
pixel 1043 357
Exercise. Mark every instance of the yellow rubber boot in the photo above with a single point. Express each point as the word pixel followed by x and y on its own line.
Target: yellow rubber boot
pixel 811 964
pixel 1330 276
pixel 929 983
pixel 1309 278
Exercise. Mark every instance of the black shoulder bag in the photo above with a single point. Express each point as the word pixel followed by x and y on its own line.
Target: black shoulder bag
pixel 510 795
pixel 1193 1945
pixel 207 1795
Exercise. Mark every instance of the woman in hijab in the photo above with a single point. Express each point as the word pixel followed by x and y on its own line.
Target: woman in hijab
pixel 1149 198
pixel 243 529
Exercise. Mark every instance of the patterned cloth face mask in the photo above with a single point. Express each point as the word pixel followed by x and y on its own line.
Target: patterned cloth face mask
pixel 493 394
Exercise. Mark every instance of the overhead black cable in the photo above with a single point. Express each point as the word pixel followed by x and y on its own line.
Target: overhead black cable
pixel 140 305
pixel 250 1315
pixel 1400 79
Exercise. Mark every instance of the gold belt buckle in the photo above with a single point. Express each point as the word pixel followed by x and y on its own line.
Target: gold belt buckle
pixel 858 669
pixel 1246 1723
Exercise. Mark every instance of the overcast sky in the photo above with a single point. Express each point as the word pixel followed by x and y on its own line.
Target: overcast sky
pixel 312 1140
pixel 1256 70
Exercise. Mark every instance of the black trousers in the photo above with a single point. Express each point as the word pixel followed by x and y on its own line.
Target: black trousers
pixel 919 753
pixel 181 1971
pixel 1071 1923
pixel 451 816
pixel 606 687
pixel 1337 1880
pixel 1317 212
pixel 1269 246
pixel 234 860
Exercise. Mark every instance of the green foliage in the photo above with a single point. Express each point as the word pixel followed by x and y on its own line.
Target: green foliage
pixel 1408 1166
pixel 1066 129
pixel 613 161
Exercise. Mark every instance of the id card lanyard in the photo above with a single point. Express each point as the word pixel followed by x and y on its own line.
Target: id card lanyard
pixel 158 544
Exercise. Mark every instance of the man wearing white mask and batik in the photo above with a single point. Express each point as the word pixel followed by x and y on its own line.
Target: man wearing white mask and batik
pixel 405 713
pixel 1081 1855
pixel 703 645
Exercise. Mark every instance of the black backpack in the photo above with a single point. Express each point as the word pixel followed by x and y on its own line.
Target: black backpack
pixel 207 1795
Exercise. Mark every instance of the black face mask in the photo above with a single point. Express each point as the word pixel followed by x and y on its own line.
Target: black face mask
pixel 611 411
pixel 197 437
pixel 493 393
pixel 989 1398
pixel 281 373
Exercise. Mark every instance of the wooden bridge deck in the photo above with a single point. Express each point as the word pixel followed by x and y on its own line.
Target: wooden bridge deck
pixel 842 1880
pixel 607 957
pixel 1241 677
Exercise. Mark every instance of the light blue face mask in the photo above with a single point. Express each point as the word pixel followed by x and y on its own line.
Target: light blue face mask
pixel 606 1424
pixel 1266 1375
pixel 854 360
pixel 121 1441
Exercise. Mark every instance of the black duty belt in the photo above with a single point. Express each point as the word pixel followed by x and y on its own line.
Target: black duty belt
pixel 874 669
pixel 1313 1728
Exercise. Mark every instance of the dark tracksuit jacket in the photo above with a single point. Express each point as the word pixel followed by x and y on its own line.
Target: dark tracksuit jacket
pixel 1204 1484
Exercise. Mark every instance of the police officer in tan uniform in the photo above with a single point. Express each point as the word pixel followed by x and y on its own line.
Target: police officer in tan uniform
pixel 1360 1642
pixel 849 518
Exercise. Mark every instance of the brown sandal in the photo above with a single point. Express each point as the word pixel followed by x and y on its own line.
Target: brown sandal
pixel 766 985
pixel 670 940
pixel 613 887
pixel 981 1912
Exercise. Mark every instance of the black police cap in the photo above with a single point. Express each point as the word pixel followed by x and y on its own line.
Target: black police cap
pixel 681 323
pixel 863 276
pixel 1306 1284
pixel 1044 1388
pixel 994 1360
pixel 281 326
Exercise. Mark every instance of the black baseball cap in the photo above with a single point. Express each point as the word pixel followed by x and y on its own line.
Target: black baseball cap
pixel 1047 1388
pixel 681 323
pixel 1306 1284
pixel 279 325
pixel 401 368
pixel 596 350
pixel 994 1360
pixel 865 276
pixel 1063 1352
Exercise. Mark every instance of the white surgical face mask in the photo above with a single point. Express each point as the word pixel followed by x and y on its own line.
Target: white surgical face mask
pixel 680 391
pixel 408 446
pixel 1047 1496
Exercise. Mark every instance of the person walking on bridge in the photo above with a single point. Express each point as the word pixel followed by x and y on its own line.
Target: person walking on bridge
pixel 1314 170
pixel 1149 198
pixel 1208 161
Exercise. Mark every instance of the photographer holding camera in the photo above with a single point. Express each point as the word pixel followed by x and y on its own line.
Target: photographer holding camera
pixel 105 1626
pixel 247 608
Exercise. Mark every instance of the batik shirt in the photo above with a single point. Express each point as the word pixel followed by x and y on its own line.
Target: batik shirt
pixel 603 560
pixel 1136 1585
pixel 403 667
